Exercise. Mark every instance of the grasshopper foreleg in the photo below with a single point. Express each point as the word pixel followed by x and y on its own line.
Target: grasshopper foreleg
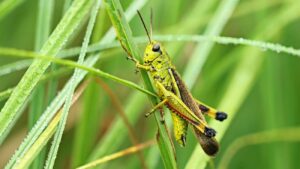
pixel 137 63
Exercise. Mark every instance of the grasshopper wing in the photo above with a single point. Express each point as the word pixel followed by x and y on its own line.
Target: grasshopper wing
pixel 208 144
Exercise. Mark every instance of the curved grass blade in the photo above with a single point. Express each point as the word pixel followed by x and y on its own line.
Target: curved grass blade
pixel 63 71
pixel 46 135
pixel 202 51
pixel 28 54
pixel 57 102
pixel 124 34
pixel 279 135
pixel 7 6
pixel 55 42
pixel 274 47
pixel 247 69
pixel 61 126
pixel 119 154
pixel 15 66
pixel 38 102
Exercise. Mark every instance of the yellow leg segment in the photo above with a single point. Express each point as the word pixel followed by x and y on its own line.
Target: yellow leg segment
pixel 178 107
pixel 218 115
pixel 159 105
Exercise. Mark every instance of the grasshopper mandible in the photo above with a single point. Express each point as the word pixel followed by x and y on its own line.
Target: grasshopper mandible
pixel 174 94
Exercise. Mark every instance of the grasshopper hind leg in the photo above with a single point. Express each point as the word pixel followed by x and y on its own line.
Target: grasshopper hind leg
pixel 209 144
pixel 221 116
pixel 218 115
pixel 210 132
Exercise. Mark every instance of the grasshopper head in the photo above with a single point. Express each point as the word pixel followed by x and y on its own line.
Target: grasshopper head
pixel 153 51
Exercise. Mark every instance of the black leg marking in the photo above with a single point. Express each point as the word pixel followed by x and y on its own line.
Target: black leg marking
pixel 209 132
pixel 221 116
pixel 204 109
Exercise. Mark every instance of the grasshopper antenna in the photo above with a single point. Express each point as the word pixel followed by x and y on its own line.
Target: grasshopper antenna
pixel 149 37
pixel 151 22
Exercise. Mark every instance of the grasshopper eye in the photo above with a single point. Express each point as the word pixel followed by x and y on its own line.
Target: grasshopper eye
pixel 156 48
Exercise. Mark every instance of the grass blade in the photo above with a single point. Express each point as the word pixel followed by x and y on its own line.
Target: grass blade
pixel 58 38
pixel 279 135
pixel 57 102
pixel 274 47
pixel 41 141
pixel 13 67
pixel 28 54
pixel 7 6
pixel 114 10
pixel 85 136
pixel 124 34
pixel 202 51
pixel 61 125
pixel 37 104
pixel 46 117
pixel 127 151
pixel 247 69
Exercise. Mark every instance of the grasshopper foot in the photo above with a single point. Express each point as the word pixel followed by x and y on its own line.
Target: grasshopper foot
pixel 209 132
pixel 148 114
pixel 162 121
pixel 183 139
pixel 128 58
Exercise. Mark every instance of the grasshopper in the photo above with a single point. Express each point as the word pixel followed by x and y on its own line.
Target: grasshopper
pixel 174 94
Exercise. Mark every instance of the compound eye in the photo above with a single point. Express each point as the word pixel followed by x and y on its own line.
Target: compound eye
pixel 156 47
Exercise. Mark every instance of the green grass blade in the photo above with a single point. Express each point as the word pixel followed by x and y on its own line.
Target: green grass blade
pixel 38 145
pixel 37 104
pixel 46 117
pixel 247 70
pixel 196 62
pixel 5 94
pixel 202 51
pixel 55 42
pixel 43 22
pixel 57 102
pixel 265 46
pixel 94 101
pixel 61 126
pixel 36 109
pixel 13 67
pixel 124 34
pixel 28 54
pixel 63 71
pixel 85 136
pixel 133 107
pixel 67 4
pixel 278 135
pixel 6 6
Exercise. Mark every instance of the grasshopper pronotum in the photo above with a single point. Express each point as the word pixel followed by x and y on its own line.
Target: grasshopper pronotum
pixel 174 94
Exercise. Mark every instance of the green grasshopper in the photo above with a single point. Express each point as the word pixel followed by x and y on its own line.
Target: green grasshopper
pixel 174 94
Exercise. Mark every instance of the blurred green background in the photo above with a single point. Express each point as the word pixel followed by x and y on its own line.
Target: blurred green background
pixel 271 96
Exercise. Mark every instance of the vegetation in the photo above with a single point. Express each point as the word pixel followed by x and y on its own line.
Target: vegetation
pixel 69 97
